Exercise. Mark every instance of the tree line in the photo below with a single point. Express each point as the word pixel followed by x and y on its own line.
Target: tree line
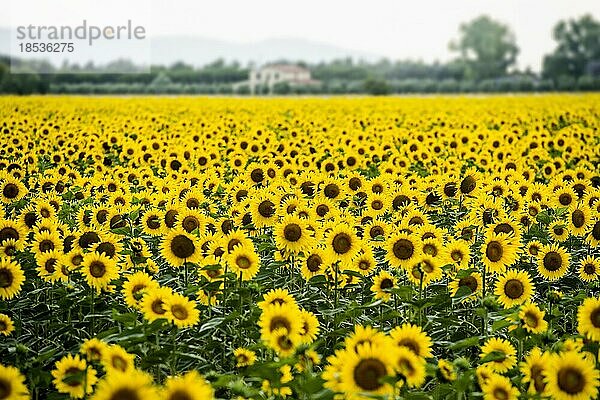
pixel 486 53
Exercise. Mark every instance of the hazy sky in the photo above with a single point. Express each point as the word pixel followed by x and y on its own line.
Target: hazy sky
pixel 396 29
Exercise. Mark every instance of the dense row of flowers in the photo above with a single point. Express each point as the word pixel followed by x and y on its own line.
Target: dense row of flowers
pixel 189 249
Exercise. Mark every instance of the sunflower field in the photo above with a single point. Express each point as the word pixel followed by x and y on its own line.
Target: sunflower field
pixel 327 248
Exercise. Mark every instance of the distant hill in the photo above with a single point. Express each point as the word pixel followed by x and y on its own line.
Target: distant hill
pixel 199 51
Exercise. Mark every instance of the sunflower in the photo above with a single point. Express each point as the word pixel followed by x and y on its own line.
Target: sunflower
pixel 190 386
pixel 498 252
pixel 136 286
pixel 153 303
pixel 11 278
pixel 592 238
pixel 532 318
pixel 513 288
pixel 569 376
pixel 99 270
pixel 382 284
pixel 13 230
pixel 506 354
pixel 401 250
pixel 410 367
pixel 469 184
pixel 181 310
pixel 233 239
pixel 74 377
pixel 589 269
pixel 533 370
pixel 342 243
pixel 6 325
pixel 244 262
pixel 130 385
pixel 363 371
pixel 588 319
pixel 447 371
pixel 472 281
pixel 553 262
pixel 117 359
pixel 457 253
pixel 579 220
pixel 12 384
pixel 310 327
pixel 244 357
pixel 277 296
pixel 179 247
pixel 263 209
pixel 498 387
pixel 364 263
pixel 279 316
pixel 93 349
pixel 51 266
pixel 558 231
pixel 283 342
pixel 12 190
pixel 292 235
pixel 314 263
pixel 413 338
pixel 152 223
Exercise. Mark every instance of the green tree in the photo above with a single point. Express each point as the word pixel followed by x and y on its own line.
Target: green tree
pixel 487 48
pixel 577 51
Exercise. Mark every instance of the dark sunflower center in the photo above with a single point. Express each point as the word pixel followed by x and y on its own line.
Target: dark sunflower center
pixel 101 216
pixel 467 185
pixel 30 219
pixel 157 307
pixel 456 255
pixel 182 246
pixel 538 378
pixel 107 248
pixel 266 209
pixel 595 231
pixel 153 222
pixel 50 265
pixel 180 394
pixel 514 288
pixel 494 251
pixel 243 262
pixel 3 327
pixel 322 210
pixel 531 319
pixel 565 199
pixel 8 233
pixel 10 191
pixel 430 249
pixel 500 393
pixel 331 191
pixel 72 375
pixel 171 218
pixel 190 223
pixel 125 394
pixel 403 249
pixel 364 265
pixel 387 283
pixel 571 380
pixel 377 205
pixel 46 245
pixel 6 278
pixel 578 218
pixel 503 228
pixel 313 262
pixel 470 282
pixel 399 201
pixel 368 373
pixel 342 243
pixel 410 344
pixel 450 189
pixel 97 269
pixel 88 239
pixel 595 317
pixel 179 312
pixel 354 183
pixel 552 261
pixel 257 175
pixel 284 342
pixel 5 388
pixel 589 269
pixel 292 232
pixel 279 322
pixel 232 243
pixel 376 231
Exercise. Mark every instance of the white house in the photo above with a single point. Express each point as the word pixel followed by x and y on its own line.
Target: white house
pixel 268 76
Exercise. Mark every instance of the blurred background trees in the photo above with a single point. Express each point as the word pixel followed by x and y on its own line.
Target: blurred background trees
pixel 485 49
